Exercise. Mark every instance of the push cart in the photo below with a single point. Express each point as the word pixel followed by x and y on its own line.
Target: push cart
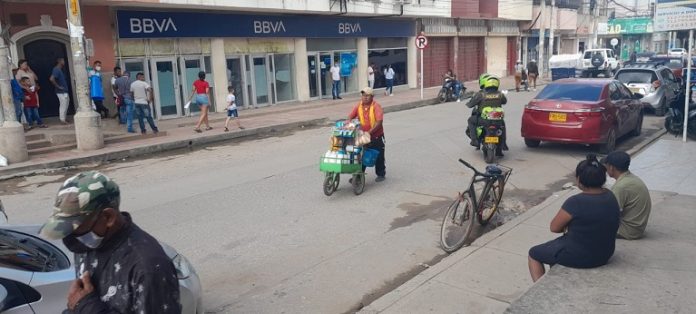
pixel 346 158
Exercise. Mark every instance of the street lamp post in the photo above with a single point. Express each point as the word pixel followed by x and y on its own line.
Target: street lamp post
pixel 13 144
pixel 88 130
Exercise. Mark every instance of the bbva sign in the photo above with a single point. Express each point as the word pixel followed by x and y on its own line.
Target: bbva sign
pixel 150 25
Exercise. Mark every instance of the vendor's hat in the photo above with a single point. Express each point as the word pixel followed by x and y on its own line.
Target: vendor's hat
pixel 367 91
pixel 618 159
pixel 78 198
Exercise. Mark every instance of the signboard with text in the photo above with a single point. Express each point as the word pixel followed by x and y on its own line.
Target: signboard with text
pixel 638 25
pixel 146 24
pixel 671 15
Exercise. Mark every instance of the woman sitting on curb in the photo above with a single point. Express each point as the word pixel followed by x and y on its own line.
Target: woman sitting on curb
pixel 588 221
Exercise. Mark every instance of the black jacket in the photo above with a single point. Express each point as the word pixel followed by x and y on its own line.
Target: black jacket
pixel 131 274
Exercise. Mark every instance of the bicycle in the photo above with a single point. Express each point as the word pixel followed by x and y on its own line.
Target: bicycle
pixel 468 206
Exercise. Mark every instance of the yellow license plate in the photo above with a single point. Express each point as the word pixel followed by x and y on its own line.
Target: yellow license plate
pixel 557 117
pixel 491 140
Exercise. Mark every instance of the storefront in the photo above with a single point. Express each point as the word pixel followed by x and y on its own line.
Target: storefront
pixel 631 34
pixel 267 59
pixel 383 52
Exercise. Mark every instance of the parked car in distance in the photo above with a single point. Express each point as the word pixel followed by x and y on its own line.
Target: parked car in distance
pixel 676 52
pixel 676 64
pixel 35 273
pixel 644 56
pixel 582 111
pixel 598 61
pixel 654 81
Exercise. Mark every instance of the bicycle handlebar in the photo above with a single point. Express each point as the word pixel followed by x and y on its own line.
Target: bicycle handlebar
pixel 478 173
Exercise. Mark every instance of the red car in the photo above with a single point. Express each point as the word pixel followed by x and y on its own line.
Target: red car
pixel 583 111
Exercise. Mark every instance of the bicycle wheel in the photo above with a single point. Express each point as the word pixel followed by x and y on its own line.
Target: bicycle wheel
pixel 457 224
pixel 490 201
pixel 331 181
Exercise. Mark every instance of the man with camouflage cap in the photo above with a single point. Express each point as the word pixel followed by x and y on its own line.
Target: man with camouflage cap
pixel 120 268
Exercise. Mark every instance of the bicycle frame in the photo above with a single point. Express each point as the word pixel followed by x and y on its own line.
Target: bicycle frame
pixel 489 179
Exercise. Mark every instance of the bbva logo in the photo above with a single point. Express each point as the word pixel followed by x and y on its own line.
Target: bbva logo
pixel 150 25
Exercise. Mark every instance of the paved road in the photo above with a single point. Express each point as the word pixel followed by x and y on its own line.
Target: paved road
pixel 253 220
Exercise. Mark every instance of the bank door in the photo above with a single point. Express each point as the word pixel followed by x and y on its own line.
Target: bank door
pixel 324 74
pixel 190 66
pixel 165 83
pixel 258 74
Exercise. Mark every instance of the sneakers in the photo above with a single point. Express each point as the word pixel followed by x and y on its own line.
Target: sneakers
pixel 380 179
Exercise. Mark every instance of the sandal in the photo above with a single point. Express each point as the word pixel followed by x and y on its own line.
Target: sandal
pixel 226 129
pixel 197 130
pixel 208 128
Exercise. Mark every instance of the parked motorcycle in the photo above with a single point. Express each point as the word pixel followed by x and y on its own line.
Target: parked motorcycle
pixel 674 120
pixel 490 133
pixel 452 90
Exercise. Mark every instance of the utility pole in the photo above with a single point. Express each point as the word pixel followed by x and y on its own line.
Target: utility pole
pixel 88 130
pixel 542 34
pixel 13 144
pixel 553 22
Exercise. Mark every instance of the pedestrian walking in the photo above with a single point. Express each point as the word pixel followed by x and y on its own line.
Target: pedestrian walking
pixel 201 90
pixel 371 117
pixel 588 221
pixel 371 76
pixel 142 97
pixel 17 96
pixel 336 78
pixel 389 76
pixel 31 104
pixel 120 106
pixel 631 193
pixel 519 68
pixel 532 73
pixel 119 267
pixel 96 90
pixel 123 86
pixel 60 84
pixel 232 109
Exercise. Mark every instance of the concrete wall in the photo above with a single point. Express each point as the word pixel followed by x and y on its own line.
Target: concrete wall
pixel 383 7
pixel 566 19
pixel 515 10
pixel 466 8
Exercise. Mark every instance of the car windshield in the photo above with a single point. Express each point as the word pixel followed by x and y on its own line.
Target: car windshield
pixel 572 91
pixel 636 77
pixel 24 252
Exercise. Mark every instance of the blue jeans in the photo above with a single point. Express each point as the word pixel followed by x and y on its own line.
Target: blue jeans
pixel 390 86
pixel 32 114
pixel 122 114
pixel 336 89
pixel 18 109
pixel 143 112
pixel 129 114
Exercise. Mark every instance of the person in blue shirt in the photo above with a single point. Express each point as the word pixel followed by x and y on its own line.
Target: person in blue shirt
pixel 60 85
pixel 95 89
pixel 17 95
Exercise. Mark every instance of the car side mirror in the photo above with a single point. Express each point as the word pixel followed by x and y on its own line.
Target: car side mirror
pixel 637 96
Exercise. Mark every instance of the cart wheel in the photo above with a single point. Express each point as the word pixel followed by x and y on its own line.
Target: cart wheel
pixel 358 183
pixel 331 181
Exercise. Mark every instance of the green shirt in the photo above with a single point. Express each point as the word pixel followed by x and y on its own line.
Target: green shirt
pixel 634 200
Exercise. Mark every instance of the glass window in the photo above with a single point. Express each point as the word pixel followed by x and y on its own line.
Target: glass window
pixel 636 77
pixel 347 61
pixel 284 72
pixel 578 92
pixel 397 58
pixel 191 69
pixel 235 79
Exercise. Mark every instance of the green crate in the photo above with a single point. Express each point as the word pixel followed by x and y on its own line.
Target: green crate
pixel 326 166
pixel 338 133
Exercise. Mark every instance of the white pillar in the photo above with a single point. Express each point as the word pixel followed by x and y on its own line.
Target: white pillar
pixel 301 69
pixel 412 62
pixel 362 62
pixel 218 61
pixel 13 145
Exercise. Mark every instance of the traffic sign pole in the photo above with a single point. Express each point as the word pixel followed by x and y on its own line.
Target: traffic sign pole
pixel 688 85
pixel 421 43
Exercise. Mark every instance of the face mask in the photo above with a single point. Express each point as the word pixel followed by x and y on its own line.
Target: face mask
pixel 75 246
pixel 90 240
pixel 98 68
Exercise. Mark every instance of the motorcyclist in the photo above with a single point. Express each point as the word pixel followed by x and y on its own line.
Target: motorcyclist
pixel 488 96
pixel 451 83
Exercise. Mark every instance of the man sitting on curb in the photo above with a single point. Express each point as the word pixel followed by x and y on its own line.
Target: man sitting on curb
pixel 631 193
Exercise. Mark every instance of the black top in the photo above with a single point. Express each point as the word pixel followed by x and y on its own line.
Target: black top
pixel 592 230
pixel 532 68
pixel 131 274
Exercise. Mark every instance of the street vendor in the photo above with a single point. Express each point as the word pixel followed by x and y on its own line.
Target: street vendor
pixel 371 116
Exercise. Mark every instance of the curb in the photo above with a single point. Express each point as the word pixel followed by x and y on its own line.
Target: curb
pixel 145 149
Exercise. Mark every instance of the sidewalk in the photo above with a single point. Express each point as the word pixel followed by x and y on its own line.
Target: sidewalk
pixel 178 133
pixel 653 275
